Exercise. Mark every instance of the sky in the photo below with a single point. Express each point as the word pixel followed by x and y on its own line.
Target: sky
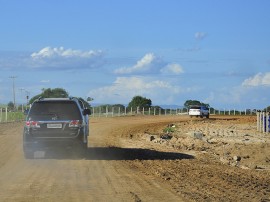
pixel 217 52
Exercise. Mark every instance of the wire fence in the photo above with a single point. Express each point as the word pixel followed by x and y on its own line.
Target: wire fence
pixel 109 111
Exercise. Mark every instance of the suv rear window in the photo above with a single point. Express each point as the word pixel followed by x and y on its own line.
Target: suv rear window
pixel 195 107
pixel 58 110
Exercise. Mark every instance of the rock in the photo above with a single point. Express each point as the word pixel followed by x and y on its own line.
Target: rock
pixel 252 166
pixel 237 158
pixel 166 137
pixel 224 161
pixel 159 140
pixel 198 135
pixel 149 137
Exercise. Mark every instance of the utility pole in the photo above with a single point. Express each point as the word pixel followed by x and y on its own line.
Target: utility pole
pixel 27 97
pixel 22 89
pixel 14 98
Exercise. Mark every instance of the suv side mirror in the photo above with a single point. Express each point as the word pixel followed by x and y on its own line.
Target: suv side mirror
pixel 86 112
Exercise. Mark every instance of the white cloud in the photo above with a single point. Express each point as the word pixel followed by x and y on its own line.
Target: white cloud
pixel 45 81
pixel 124 88
pixel 259 79
pixel 238 97
pixel 150 63
pixel 200 35
pixel 49 52
pixel 172 68
pixel 53 58
pixel 146 64
pixel 61 58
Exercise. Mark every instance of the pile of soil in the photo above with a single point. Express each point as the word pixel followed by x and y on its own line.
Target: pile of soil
pixel 231 158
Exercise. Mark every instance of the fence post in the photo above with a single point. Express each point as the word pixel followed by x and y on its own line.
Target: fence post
pixel 267 123
pixel 125 111
pixel 0 114
pixel 264 122
pixel 154 111
pixel 258 121
pixel 6 114
pixel 159 111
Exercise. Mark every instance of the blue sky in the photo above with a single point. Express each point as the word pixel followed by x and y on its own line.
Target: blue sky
pixel 217 52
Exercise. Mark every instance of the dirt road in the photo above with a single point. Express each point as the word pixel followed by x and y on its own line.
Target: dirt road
pixel 121 164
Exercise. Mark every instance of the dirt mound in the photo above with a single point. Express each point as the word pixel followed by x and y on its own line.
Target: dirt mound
pixel 232 159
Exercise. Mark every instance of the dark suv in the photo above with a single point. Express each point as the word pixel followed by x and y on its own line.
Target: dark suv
pixel 55 120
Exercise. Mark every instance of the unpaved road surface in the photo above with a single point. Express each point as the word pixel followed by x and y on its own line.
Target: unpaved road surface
pixel 143 158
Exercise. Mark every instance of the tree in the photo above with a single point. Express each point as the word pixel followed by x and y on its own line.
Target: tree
pixel 139 101
pixel 267 109
pixel 189 103
pixel 10 106
pixel 118 105
pixel 51 93
pixel 89 99
pixel 57 93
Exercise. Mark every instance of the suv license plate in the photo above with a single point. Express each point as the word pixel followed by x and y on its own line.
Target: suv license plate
pixel 54 125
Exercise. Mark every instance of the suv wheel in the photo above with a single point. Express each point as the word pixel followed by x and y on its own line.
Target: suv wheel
pixel 27 147
pixel 28 153
pixel 84 137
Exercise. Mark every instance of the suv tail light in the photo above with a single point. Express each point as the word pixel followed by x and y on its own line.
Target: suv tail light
pixel 32 124
pixel 75 123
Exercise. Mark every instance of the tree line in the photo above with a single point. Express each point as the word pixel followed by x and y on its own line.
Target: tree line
pixel 136 102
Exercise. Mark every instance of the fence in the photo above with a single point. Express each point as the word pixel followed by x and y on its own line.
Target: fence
pixel 108 111
pixel 263 122
pixel 9 116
